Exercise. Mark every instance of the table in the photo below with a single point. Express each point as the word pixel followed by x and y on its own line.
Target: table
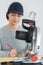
pixel 6 60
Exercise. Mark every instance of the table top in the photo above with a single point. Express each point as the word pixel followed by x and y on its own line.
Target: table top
pixel 10 59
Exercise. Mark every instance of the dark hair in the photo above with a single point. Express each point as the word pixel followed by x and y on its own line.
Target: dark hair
pixel 15 7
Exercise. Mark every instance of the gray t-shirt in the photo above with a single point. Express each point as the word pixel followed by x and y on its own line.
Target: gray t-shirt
pixel 7 39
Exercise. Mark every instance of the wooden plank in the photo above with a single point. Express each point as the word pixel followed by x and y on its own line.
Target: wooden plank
pixel 6 59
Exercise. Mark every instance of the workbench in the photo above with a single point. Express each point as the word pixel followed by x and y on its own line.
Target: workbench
pixel 10 61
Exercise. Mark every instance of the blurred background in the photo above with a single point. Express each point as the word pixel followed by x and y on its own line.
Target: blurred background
pixel 29 5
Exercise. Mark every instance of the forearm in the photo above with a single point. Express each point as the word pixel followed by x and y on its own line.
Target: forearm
pixel 4 53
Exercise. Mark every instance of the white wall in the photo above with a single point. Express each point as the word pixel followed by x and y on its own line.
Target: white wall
pixel 29 5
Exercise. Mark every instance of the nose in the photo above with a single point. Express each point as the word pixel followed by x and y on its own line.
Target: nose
pixel 16 18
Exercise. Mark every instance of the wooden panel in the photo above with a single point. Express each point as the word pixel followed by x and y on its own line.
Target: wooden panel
pixel 6 59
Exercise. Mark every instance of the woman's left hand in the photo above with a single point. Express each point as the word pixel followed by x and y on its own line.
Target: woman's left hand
pixel 27 54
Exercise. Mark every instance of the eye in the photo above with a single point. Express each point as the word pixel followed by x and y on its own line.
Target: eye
pixel 19 15
pixel 13 14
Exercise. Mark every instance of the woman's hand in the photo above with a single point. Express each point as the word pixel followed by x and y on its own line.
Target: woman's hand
pixel 27 54
pixel 13 53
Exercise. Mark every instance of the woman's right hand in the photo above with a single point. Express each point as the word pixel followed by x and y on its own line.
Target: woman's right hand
pixel 13 53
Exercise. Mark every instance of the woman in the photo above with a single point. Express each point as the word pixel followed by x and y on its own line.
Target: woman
pixel 9 46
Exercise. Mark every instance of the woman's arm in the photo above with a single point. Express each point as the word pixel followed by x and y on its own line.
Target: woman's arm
pixel 3 53
pixel 11 53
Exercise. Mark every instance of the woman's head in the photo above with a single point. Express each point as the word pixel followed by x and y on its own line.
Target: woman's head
pixel 15 7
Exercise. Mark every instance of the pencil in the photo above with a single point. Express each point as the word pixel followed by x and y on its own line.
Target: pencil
pixel 10 46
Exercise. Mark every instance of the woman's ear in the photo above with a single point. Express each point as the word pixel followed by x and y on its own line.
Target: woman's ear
pixel 7 16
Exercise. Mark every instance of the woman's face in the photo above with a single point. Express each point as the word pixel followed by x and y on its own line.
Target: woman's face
pixel 14 18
